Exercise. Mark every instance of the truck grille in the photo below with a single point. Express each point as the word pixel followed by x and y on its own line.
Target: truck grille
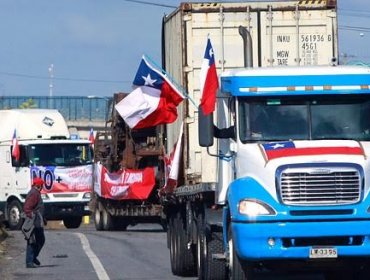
pixel 317 186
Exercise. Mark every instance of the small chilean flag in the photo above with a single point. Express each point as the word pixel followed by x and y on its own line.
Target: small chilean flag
pixel 91 136
pixel 173 163
pixel 15 150
pixel 208 81
pixel 311 148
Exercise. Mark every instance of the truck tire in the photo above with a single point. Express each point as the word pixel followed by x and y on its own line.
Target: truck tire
pixel 214 269
pixel 107 220
pixel 14 215
pixel 184 257
pixel 98 219
pixel 173 245
pixel 238 270
pixel 72 222
pixel 201 248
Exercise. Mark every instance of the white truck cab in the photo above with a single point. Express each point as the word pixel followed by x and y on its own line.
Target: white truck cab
pixel 46 151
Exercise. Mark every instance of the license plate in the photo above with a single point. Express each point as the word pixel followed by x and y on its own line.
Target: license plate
pixel 323 252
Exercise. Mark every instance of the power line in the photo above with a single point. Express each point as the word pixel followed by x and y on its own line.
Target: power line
pixel 61 78
pixel 354 28
pixel 151 3
pixel 354 11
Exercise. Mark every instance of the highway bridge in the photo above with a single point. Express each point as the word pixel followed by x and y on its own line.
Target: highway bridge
pixel 80 112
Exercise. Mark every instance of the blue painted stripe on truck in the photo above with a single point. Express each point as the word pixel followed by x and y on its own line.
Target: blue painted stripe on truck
pixel 237 85
pixel 251 239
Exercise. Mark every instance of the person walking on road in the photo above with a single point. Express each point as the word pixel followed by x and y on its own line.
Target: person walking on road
pixel 33 209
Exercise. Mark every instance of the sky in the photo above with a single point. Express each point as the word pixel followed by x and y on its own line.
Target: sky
pixel 94 47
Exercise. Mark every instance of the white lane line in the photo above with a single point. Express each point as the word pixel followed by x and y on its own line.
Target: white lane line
pixel 99 268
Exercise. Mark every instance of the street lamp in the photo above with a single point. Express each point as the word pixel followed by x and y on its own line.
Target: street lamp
pixel 51 76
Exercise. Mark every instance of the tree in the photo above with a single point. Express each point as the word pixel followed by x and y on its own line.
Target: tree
pixel 29 104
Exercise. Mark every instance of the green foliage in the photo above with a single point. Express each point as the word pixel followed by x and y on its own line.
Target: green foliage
pixel 29 104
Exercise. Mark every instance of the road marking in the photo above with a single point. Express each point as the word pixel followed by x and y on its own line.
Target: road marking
pixel 99 268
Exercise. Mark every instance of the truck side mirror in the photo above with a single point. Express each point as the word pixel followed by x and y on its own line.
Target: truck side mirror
pixel 205 129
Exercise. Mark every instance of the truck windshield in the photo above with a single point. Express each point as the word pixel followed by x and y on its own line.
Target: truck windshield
pixel 60 154
pixel 304 118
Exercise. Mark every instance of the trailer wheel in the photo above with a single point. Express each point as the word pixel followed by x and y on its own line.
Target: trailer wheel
pixel 107 220
pixel 98 220
pixel 184 256
pixel 14 215
pixel 173 245
pixel 72 222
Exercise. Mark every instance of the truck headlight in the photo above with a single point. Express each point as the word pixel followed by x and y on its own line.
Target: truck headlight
pixel 44 196
pixel 87 195
pixel 255 208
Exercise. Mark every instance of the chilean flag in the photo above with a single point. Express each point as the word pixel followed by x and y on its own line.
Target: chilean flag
pixel 91 136
pixel 15 150
pixel 311 148
pixel 172 162
pixel 208 81
pixel 153 102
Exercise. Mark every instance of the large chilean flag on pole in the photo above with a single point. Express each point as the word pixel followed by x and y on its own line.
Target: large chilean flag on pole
pixel 208 81
pixel 153 102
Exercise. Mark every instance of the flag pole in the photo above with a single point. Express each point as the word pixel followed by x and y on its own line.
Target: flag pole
pixel 172 80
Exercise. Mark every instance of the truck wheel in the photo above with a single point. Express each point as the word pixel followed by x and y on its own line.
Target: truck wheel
pixel 173 245
pixel 237 268
pixel 14 215
pixel 164 225
pixel 201 248
pixel 184 256
pixel 72 222
pixel 214 269
pixel 98 220
pixel 107 219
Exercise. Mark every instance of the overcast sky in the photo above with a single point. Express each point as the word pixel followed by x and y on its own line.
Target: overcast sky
pixel 95 46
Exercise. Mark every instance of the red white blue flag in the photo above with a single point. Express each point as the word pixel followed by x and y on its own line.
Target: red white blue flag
pixel 172 162
pixel 91 136
pixel 153 102
pixel 15 151
pixel 311 148
pixel 208 81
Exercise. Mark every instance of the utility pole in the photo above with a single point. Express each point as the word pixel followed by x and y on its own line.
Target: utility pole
pixel 51 76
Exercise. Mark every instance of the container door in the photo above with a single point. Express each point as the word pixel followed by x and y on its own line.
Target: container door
pixel 298 38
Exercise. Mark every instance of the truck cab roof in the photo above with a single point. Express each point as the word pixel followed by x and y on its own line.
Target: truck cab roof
pixel 303 80
pixel 31 124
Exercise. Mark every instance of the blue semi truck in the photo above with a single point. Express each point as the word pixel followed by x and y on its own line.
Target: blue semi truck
pixel 276 178
pixel 295 162
pixel 298 168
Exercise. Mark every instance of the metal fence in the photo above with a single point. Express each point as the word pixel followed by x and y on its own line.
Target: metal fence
pixel 73 108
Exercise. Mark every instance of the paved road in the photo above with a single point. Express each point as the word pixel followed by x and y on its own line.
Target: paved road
pixel 84 253
pixel 139 253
